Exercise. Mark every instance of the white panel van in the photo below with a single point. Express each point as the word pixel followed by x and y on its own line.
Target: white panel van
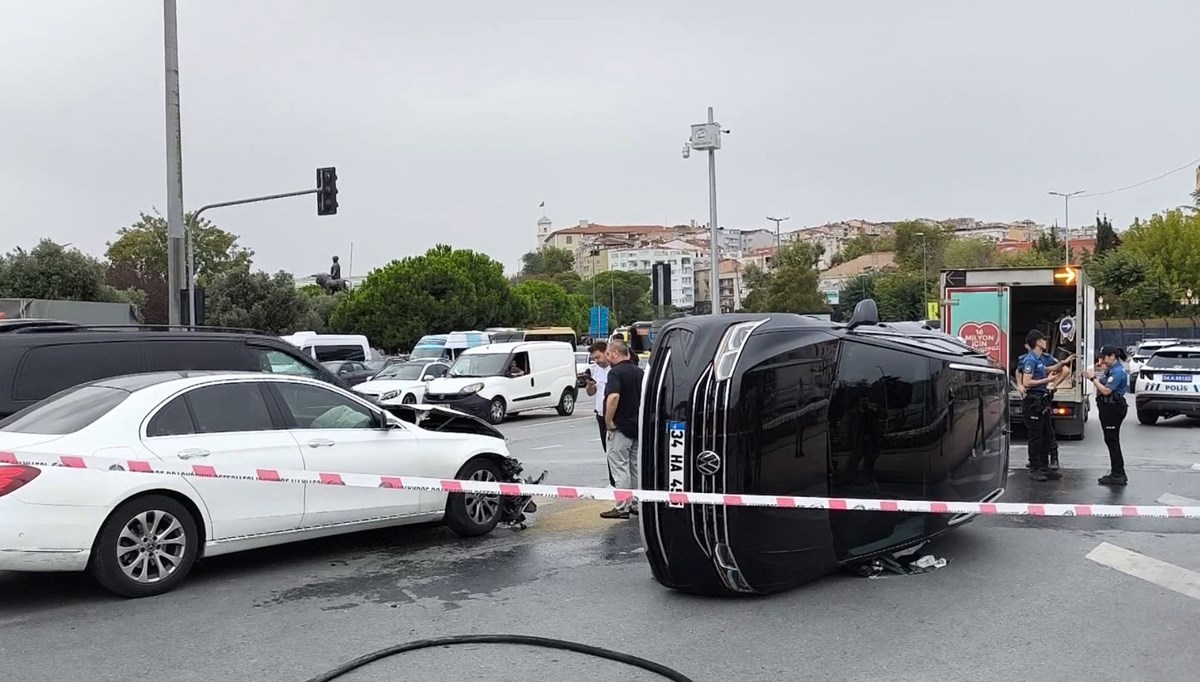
pixel 500 379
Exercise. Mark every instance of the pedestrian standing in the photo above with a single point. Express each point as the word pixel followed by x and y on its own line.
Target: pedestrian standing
pixel 1053 445
pixel 597 380
pixel 623 398
pixel 1035 407
pixel 1111 387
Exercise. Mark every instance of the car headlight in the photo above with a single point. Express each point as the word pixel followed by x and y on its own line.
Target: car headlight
pixel 730 348
pixel 389 395
pixel 471 388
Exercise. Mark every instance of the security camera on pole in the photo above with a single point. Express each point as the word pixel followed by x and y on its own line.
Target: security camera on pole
pixel 707 137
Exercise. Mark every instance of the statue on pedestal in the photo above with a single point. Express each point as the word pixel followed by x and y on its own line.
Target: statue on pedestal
pixel 333 282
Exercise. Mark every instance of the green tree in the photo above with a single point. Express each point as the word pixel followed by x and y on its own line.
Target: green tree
pixel 256 300
pixel 1106 237
pixel 549 305
pixel 1170 243
pixel 323 305
pixel 1032 258
pixel 921 247
pixel 854 290
pixel 626 294
pixel 792 287
pixel 53 272
pixel 972 252
pixel 900 296
pixel 441 291
pixel 546 262
pixel 137 259
pixel 862 245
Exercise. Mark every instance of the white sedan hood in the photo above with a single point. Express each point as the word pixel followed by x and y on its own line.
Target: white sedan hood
pixel 378 388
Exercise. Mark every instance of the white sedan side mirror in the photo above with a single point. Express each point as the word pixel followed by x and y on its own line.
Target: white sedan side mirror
pixel 427 377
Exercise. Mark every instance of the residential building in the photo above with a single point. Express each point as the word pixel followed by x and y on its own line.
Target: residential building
pixel 833 279
pixel 732 285
pixel 1078 246
pixel 758 239
pixel 575 238
pixel 642 260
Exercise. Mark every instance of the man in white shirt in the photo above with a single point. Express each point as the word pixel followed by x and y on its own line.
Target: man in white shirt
pixel 595 387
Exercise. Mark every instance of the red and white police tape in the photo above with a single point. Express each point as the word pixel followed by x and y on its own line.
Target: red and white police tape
pixel 353 480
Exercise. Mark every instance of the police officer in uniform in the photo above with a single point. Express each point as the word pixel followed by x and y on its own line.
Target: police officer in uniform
pixel 1035 407
pixel 1111 387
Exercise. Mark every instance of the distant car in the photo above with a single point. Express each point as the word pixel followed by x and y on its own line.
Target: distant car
pixel 402 383
pixel 1170 384
pixel 379 364
pixel 351 372
pixel 1143 352
pixel 139 535
pixel 583 367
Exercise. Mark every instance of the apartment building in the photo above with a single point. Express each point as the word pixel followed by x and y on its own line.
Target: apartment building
pixel 642 260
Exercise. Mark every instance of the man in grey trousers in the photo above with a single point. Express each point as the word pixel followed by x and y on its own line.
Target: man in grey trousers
pixel 622 399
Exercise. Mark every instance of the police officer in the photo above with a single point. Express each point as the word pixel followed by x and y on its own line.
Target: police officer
pixel 1111 387
pixel 1035 407
pixel 1053 447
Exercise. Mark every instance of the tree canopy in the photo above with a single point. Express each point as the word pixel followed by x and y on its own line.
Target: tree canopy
pixel 791 287
pixel 546 262
pixel 549 305
pixel 441 291
pixel 626 294
pixel 54 272
pixel 256 300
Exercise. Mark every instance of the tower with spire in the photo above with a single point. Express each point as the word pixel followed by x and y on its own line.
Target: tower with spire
pixel 543 227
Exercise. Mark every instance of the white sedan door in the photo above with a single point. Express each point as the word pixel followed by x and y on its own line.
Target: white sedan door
pixel 229 427
pixel 337 434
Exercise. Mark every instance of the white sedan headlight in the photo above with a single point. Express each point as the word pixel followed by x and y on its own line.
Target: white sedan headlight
pixel 389 395
pixel 731 347
pixel 471 388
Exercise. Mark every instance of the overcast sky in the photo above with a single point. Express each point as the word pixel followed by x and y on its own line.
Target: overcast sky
pixel 451 121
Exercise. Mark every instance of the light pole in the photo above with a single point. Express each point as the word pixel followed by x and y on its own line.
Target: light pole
pixel 924 266
pixel 707 137
pixel 777 221
pixel 1066 219
pixel 176 255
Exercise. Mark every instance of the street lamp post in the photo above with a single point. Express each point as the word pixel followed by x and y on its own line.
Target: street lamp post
pixel 707 137
pixel 924 266
pixel 777 221
pixel 1066 219
pixel 176 253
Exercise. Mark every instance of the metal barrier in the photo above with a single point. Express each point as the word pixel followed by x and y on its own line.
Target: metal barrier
pixel 1125 333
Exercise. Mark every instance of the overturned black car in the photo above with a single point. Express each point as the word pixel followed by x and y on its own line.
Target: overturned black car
pixel 783 404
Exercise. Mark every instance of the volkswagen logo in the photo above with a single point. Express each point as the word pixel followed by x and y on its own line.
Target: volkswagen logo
pixel 708 463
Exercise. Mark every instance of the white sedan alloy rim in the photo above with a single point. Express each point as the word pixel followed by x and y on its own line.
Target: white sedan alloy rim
pixel 151 546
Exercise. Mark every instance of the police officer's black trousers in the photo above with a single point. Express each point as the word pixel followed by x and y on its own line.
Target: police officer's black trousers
pixel 1111 417
pixel 1040 428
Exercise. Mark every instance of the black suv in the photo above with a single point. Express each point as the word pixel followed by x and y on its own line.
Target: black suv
pixel 38 358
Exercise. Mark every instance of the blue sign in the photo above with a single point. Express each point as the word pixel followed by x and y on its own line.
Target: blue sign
pixel 598 322
pixel 1066 327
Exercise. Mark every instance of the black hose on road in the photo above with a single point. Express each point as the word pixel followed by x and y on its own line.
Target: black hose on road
pixel 522 640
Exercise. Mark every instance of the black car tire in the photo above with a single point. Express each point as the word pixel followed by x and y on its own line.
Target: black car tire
pixel 1147 417
pixel 409 399
pixel 473 515
pixel 566 403
pixel 497 410
pixel 105 565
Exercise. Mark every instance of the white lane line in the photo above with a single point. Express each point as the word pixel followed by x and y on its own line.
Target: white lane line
pixel 1196 467
pixel 551 422
pixel 1177 500
pixel 1146 568
pixel 545 447
pixel 594 440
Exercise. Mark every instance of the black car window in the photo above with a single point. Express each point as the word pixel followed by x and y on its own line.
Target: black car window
pixel 339 352
pixel 278 362
pixel 318 408
pixel 228 408
pixel 199 355
pixel 437 371
pixel 46 370
pixel 67 412
pixel 172 420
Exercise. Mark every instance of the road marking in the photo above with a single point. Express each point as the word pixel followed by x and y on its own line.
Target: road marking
pixel 545 447
pixel 551 422
pixel 1177 501
pixel 594 440
pixel 1146 568
pixel 1196 467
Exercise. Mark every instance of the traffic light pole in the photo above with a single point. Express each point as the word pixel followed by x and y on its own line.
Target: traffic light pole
pixel 175 226
pixel 191 239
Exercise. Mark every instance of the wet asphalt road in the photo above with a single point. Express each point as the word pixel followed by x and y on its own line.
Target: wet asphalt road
pixel 1019 600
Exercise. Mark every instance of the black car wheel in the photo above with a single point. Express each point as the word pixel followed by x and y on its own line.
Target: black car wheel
pixel 497 410
pixel 566 404
pixel 146 547
pixel 471 515
pixel 1147 417
pixel 409 399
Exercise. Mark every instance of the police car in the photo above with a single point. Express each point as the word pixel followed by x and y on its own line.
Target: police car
pixel 1169 382
pixel 1141 354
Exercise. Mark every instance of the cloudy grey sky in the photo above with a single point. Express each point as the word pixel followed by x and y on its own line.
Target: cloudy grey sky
pixel 452 121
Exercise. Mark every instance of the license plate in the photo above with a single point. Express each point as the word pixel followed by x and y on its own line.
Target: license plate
pixel 1178 377
pixel 676 444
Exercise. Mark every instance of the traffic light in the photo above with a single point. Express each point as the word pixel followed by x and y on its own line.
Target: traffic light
pixel 327 203
pixel 1065 275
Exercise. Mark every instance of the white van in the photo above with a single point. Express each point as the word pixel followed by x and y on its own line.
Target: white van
pixel 500 379
pixel 330 347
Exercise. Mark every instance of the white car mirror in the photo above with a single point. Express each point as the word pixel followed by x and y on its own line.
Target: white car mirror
pixel 427 377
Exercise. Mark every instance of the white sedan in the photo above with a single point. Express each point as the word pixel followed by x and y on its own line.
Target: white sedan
pixel 402 383
pixel 140 534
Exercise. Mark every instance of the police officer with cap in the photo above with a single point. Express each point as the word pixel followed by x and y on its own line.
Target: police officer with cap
pixel 1035 407
pixel 1111 387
